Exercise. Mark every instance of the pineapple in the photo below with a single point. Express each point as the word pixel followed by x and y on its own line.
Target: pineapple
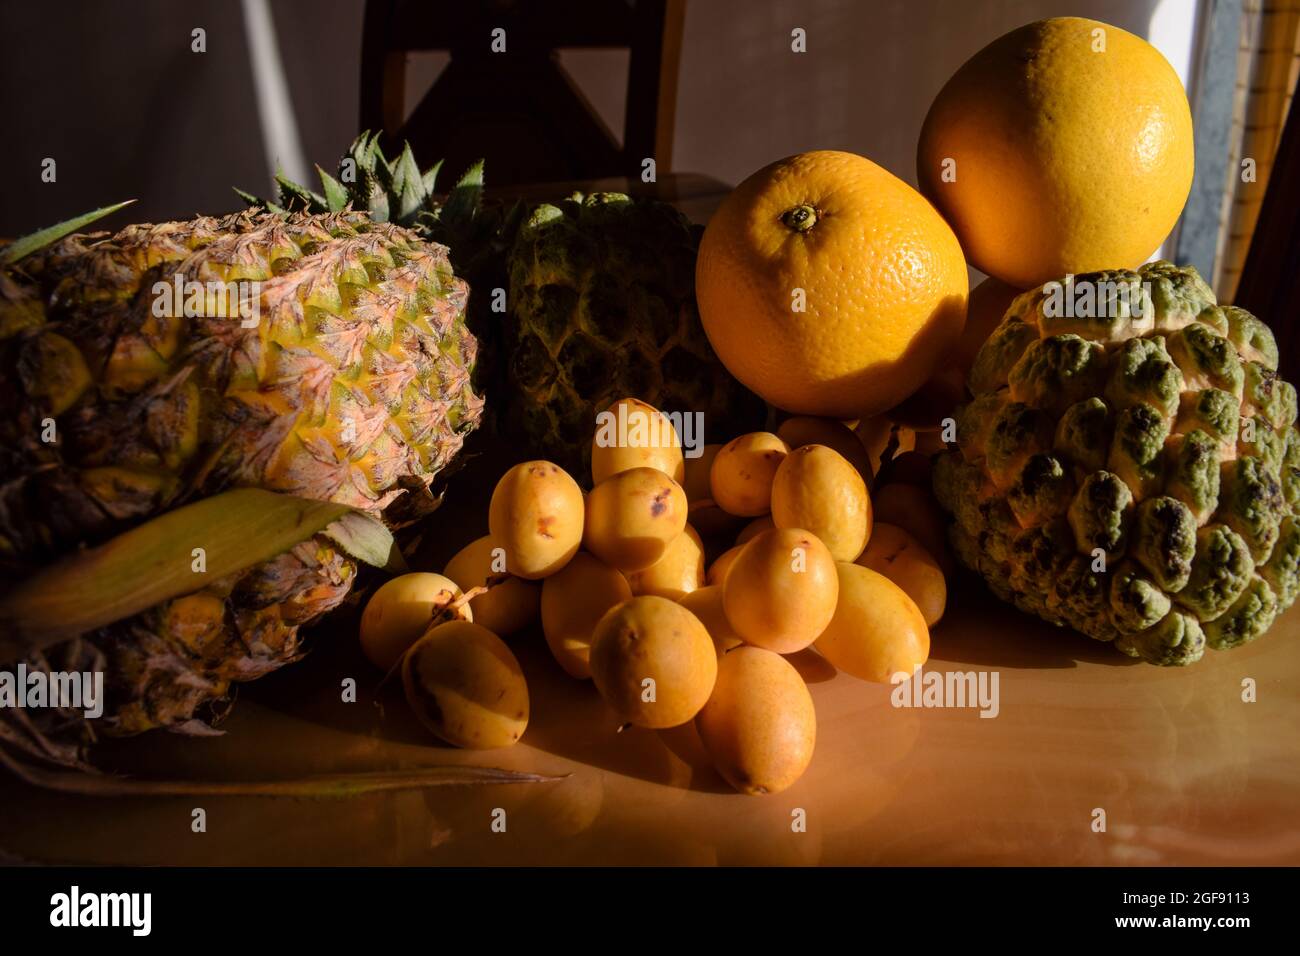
pixel 599 299
pixel 342 374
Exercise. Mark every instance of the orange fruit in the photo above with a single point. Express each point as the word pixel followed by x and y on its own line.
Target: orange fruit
pixel 1063 147
pixel 985 309
pixel 946 389
pixel 829 286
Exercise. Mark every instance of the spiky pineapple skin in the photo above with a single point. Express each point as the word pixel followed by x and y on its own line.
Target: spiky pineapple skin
pixel 353 386
pixel 1136 476
pixel 599 301
pixel 601 306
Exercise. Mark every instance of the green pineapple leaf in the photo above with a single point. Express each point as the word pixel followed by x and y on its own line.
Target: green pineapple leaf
pixel 430 178
pixel 377 164
pixel 255 202
pixel 465 196
pixel 336 197
pixel 409 203
pixel 43 237
pixel 294 196
pixel 405 170
pixel 377 205
pixel 153 563
pixel 410 187
pixel 396 191
pixel 365 150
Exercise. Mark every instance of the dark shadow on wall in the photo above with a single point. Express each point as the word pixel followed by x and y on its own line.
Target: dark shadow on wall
pixel 114 94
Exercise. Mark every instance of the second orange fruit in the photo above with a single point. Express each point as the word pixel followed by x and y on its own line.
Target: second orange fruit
pixel 829 286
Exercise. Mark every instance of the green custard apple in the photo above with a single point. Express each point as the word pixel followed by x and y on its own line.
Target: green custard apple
pixel 1130 468
pixel 602 307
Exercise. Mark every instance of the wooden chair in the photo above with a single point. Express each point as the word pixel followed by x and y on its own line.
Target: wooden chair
pixel 1270 279
pixel 518 109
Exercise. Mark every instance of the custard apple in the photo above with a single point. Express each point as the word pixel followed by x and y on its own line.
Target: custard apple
pixel 1127 465
pixel 602 307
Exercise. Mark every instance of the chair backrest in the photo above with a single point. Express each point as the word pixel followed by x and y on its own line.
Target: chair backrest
pixel 517 107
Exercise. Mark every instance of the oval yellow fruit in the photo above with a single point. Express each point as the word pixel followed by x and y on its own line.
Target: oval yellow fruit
pixel 781 590
pixel 633 517
pixel 759 727
pixel 634 434
pixel 742 472
pixel 800 430
pixel 755 528
pixel 466 686
pixel 1064 146
pixel 914 509
pixel 816 488
pixel 697 472
pixel 717 572
pixel 706 604
pixel 510 604
pixel 653 662
pixel 901 558
pixel 401 610
pixel 573 602
pixel 938 398
pixel 705 515
pixel 829 286
pixel 536 515
pixel 679 572
pixel 877 631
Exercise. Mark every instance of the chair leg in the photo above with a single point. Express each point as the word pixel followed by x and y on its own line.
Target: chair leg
pixel 383 73
pixel 652 85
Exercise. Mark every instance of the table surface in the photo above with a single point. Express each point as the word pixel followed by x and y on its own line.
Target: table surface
pixel 1185 770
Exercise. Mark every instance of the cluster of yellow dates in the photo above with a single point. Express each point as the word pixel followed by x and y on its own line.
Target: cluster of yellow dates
pixel 627 597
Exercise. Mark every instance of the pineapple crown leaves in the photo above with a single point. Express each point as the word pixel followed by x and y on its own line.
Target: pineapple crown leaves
pixel 43 237
pixel 389 190
pixel 398 191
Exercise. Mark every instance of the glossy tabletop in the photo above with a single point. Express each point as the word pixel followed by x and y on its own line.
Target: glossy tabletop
pixel 1185 769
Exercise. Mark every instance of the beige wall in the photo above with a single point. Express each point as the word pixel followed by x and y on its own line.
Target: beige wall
pixel 870 73
pixel 865 84
pixel 114 93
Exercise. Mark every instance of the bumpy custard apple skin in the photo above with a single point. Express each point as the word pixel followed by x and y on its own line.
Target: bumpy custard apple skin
pixel 602 307
pixel 1131 471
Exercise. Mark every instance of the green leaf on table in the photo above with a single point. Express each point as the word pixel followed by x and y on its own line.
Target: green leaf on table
pixel 155 562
